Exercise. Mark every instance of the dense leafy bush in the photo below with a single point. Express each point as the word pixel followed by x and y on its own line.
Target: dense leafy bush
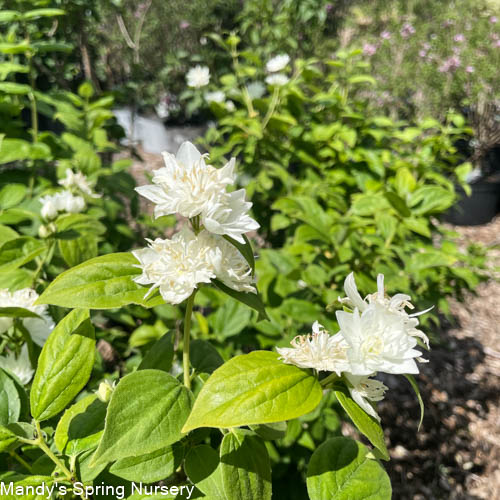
pixel 339 186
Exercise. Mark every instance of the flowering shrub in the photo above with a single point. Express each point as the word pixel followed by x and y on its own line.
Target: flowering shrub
pixel 428 58
pixel 209 432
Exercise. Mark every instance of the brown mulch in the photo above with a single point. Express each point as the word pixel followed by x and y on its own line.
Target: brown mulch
pixel 456 453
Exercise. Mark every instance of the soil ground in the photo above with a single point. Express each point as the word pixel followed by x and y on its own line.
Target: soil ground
pixel 456 453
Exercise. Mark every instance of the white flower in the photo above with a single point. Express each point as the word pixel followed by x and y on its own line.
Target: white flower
pixel 190 187
pixel 79 181
pixel 230 106
pixel 363 389
pixel 186 185
pixel 378 341
pixel 277 63
pixel 278 80
pixel 318 350
pixel 39 328
pixel 256 90
pixel 230 266
pixel 63 201
pixel 392 305
pixel 215 96
pixel 228 215
pixel 49 208
pixel 20 367
pixel 197 77
pixel 176 266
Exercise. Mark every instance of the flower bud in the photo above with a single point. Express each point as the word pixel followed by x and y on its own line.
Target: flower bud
pixel 105 390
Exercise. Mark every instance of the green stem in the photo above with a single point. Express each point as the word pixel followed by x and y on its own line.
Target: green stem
pixel 43 446
pixel 331 378
pixel 21 460
pixel 43 260
pixel 272 107
pixel 187 335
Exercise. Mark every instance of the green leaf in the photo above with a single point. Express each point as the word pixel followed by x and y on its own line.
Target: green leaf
pixel 202 468
pixel 398 204
pixel 245 466
pixel 17 312
pixel 414 385
pixel 86 90
pixel 14 150
pixel 10 402
pixel 147 411
pixel 151 467
pixel 11 195
pixel 254 388
pixel 341 469
pixel 78 250
pixel 7 16
pixel 38 13
pixel 250 299
pixel 245 249
pixel 7 437
pixel 362 79
pixel 270 432
pixel 64 365
pixel 160 354
pixel 14 88
pixel 104 282
pixel 7 233
pixel 230 319
pixel 81 426
pixel 204 356
pixel 16 253
pixel 21 485
pixel 366 424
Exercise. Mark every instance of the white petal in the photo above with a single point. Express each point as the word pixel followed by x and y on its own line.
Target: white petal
pixel 188 154
pixel 351 290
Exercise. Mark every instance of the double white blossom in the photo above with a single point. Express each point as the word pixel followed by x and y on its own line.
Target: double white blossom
pixel 80 182
pixel 378 335
pixel 277 63
pixel 277 80
pixel 363 389
pixel 63 201
pixel 190 187
pixel 20 366
pixel 198 77
pixel 178 265
pixel 318 350
pixel 215 96
pixel 39 328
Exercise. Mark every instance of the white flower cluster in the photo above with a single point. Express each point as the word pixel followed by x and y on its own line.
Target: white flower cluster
pixel 198 77
pixel 277 63
pixel 39 328
pixel 63 201
pixel 189 187
pixel 69 200
pixel 377 336
pixel 78 181
pixel 219 97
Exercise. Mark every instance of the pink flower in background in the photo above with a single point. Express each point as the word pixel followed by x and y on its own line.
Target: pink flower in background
pixel 426 46
pixel 459 38
pixel 422 53
pixel 184 25
pixel 369 49
pixel 451 64
pixel 329 7
pixel 493 19
pixel 407 30
pixel 497 44
pixel 385 35
pixel 469 69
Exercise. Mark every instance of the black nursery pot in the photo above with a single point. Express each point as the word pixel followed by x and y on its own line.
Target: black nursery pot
pixel 478 208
